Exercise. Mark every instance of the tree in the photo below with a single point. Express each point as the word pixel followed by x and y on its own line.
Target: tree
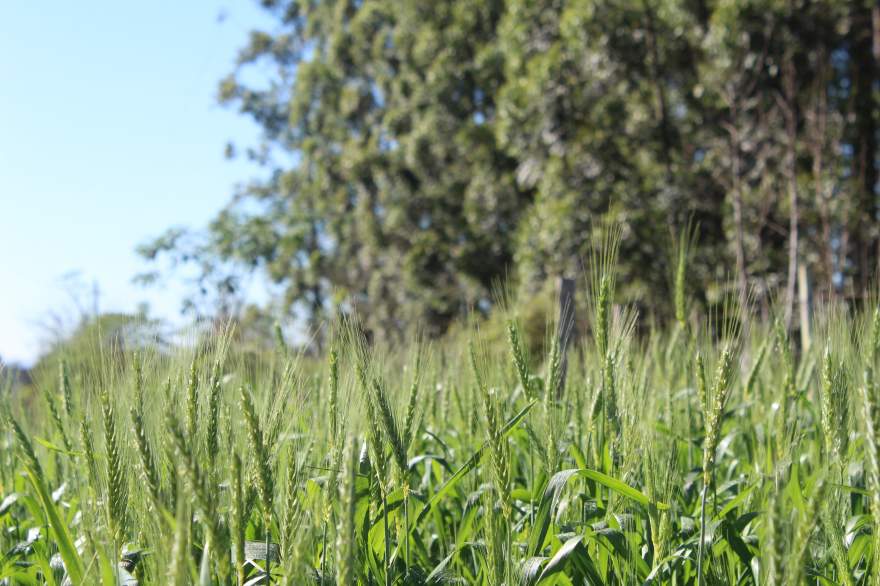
pixel 863 77
pixel 417 153
pixel 598 109
pixel 396 200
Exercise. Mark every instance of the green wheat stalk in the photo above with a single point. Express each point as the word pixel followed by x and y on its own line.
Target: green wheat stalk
pixel 237 522
pixel 192 401
pixel 345 538
pixel 65 387
pixel 712 420
pixel 203 497
pixel 117 482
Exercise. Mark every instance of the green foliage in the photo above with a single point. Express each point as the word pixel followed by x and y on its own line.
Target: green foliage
pixel 418 153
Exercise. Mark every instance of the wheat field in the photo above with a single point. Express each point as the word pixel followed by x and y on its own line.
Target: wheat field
pixel 709 451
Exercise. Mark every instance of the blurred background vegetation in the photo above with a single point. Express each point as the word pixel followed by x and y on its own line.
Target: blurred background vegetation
pixel 421 153
pixel 427 160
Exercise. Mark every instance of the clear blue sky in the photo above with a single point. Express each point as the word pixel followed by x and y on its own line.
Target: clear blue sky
pixel 109 134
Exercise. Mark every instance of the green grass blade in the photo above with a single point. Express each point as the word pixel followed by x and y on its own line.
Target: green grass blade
pixel 554 489
pixel 572 554
pixel 66 548
pixel 469 465
pixel 620 487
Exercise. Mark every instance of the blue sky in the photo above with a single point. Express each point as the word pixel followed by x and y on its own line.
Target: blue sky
pixel 109 134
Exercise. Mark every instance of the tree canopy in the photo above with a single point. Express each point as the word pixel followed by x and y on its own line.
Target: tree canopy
pixel 418 153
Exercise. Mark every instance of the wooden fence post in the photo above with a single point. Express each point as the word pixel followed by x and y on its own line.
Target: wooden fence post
pixel 804 303
pixel 565 327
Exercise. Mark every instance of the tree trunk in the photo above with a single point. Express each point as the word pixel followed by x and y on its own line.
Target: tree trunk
pixel 789 112
pixel 864 73
pixel 742 276
pixel 817 119
pixel 804 304
pixel 662 110
pixel 565 327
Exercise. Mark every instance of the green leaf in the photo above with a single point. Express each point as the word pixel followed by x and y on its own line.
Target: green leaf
pixel 530 569
pixel 66 548
pixel 50 446
pixel 853 489
pixel 739 547
pixel 438 573
pixel 548 502
pixel 469 465
pixel 427 458
pixel 554 489
pixel 578 455
pixel 734 502
pixel 621 488
pixel 575 554
pixel 793 488
pixel 521 494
